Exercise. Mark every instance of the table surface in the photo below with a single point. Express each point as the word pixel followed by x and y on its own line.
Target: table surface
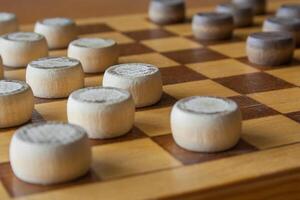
pixel 146 163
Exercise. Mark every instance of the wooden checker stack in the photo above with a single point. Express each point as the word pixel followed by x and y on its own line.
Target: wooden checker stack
pixel 146 163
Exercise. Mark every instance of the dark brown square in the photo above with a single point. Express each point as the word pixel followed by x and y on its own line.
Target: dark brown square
pixel 18 188
pixel 194 55
pixel 294 116
pixel 179 74
pixel 93 28
pixel 254 82
pixel 37 117
pixel 216 42
pixel 133 48
pixel 134 133
pixel 187 157
pixel 252 109
pixel 149 34
pixel 165 101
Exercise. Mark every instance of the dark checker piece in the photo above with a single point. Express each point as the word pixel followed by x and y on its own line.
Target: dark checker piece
pixel 258 6
pixel 289 11
pixel 270 48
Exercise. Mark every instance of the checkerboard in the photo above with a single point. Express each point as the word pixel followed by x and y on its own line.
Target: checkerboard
pixel 146 163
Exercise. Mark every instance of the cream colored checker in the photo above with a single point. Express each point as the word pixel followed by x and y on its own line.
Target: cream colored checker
pixel 129 158
pixel 118 37
pixel 57 53
pixel 154 122
pixel 222 68
pixel 171 44
pixel 244 32
pixel 151 58
pixel 271 131
pixel 128 23
pixel 233 50
pixel 18 74
pixel 290 74
pixel 5 137
pixel 205 87
pixel 284 101
pixel 53 111
pixel 93 81
pixel 180 29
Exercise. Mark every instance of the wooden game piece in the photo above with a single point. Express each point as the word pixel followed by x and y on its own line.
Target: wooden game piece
pixel 167 11
pixel 212 26
pixel 270 48
pixel 258 6
pixel 8 23
pixel 104 112
pixel 242 16
pixel 289 11
pixel 95 54
pixel 16 103
pixel 59 32
pixel 20 48
pixel 206 124
pixel 291 25
pixel 142 80
pixel 49 153
pixel 54 77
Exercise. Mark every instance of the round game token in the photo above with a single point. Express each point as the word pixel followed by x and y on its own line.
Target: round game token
pixel 258 6
pixel 19 48
pixel 62 149
pixel 289 11
pixel 54 77
pixel 142 80
pixel 206 124
pixel 104 112
pixel 95 54
pixel 8 23
pixel 16 103
pixel 59 32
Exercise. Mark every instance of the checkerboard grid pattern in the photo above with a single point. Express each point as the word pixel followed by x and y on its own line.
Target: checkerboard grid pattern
pixel 176 61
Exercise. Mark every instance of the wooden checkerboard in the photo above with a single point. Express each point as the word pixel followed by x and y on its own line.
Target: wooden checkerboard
pixel 146 163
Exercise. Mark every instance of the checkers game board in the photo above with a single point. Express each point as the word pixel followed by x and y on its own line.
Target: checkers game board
pixel 146 163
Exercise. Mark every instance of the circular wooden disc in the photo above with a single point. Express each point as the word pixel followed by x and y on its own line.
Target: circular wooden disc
pixel 270 39
pixel 212 18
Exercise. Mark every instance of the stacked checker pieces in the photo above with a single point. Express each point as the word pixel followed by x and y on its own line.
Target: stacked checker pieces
pixel 268 97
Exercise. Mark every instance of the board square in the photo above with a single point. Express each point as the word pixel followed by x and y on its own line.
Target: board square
pixel 59 52
pixel 95 80
pixel 271 131
pixel 165 101
pixel 284 101
pixel 93 28
pixel 254 82
pixel 294 116
pixel 154 122
pixel 195 88
pixel 118 37
pixel 171 44
pixel 233 50
pixel 151 58
pixel 194 55
pixel 133 49
pixel 3 194
pixel 149 34
pixel 179 74
pixel 53 111
pixel 129 158
pixel 129 23
pixel 222 68
pixel 18 74
pixel 180 29
pixel 187 157
pixel 245 32
pixel 233 39
pixel 5 137
pixel 290 74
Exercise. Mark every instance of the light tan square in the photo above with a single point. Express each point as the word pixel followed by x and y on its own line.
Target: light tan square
pixel 271 131
pixel 3 194
pixel 53 111
pixel 233 50
pixel 204 87
pixel 128 23
pixel 92 81
pixel 222 68
pixel 5 137
pixel 154 122
pixel 61 52
pixel 171 44
pixel 284 101
pixel 180 29
pixel 290 74
pixel 18 74
pixel 118 37
pixel 151 58
pixel 129 158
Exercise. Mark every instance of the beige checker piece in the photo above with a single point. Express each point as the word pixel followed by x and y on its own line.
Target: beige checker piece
pixel 284 101
pixel 233 50
pixel 222 68
pixel 171 44
pixel 151 58
pixel 204 87
pixel 180 29
pixel 271 131
pixel 129 158
pixel 289 74
pixel 130 23
pixel 53 111
pixel 5 137
pixel 154 122
pixel 118 37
